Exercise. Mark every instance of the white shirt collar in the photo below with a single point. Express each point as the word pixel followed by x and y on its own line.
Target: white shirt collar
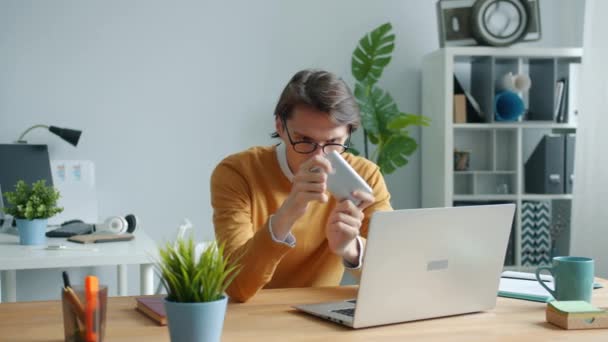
pixel 282 158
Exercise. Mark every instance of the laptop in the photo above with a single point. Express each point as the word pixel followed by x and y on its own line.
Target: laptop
pixel 426 263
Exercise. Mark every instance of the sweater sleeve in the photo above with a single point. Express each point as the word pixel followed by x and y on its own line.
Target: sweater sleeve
pixel 258 253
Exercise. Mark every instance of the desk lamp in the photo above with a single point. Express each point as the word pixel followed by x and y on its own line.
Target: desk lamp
pixel 70 135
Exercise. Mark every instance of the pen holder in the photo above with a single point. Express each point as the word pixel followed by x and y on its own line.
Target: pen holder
pixel 73 305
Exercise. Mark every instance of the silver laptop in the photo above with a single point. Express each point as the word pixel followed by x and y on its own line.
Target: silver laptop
pixel 426 263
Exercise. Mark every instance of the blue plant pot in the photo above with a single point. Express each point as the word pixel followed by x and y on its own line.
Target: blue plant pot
pixel 32 232
pixel 193 322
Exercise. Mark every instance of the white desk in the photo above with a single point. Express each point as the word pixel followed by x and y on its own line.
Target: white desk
pixel 140 251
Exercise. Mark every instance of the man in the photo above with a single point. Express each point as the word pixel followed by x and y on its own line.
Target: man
pixel 271 206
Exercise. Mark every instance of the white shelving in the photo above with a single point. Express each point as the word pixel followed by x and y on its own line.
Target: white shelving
pixel 498 150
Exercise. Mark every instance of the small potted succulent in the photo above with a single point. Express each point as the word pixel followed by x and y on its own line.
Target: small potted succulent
pixel 196 303
pixel 31 206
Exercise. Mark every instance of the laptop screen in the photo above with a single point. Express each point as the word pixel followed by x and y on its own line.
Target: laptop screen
pixel 22 161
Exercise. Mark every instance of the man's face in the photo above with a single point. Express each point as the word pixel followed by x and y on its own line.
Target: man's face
pixel 311 125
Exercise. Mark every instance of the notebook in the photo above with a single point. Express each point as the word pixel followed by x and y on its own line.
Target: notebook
pixel 153 307
pixel 99 238
pixel 523 285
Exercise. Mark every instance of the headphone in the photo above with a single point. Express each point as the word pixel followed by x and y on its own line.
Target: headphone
pixel 117 225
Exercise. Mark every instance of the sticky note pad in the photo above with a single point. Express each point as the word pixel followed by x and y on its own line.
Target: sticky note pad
pixel 574 307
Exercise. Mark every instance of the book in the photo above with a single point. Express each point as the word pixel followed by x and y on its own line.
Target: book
pixel 473 110
pixel 460 108
pixel 523 285
pixel 523 289
pixel 153 307
pixel 99 238
pixel 558 114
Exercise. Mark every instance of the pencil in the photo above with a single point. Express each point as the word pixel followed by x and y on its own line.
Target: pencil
pixel 66 279
pixel 72 297
pixel 74 302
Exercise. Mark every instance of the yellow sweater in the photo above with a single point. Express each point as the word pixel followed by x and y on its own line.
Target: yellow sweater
pixel 246 189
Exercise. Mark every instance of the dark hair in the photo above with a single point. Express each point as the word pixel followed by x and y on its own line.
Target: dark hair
pixel 323 91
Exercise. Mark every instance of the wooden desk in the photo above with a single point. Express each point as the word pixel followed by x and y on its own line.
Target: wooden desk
pixel 269 317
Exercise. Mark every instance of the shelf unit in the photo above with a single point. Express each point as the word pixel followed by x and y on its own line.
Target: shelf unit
pixel 498 150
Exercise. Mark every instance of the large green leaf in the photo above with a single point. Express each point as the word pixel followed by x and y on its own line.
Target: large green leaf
pixel 372 54
pixel 377 109
pixel 403 120
pixel 393 154
pixel 366 107
pixel 384 124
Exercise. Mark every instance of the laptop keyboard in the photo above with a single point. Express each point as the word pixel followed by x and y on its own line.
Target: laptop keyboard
pixel 345 312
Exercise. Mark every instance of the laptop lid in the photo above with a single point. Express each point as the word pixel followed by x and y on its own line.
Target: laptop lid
pixel 426 263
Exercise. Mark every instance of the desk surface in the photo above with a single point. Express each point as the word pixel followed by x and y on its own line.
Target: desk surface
pixel 269 317
pixel 142 250
pixel 14 256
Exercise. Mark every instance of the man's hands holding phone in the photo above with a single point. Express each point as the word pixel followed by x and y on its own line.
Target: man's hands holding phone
pixel 344 224
pixel 342 228
pixel 309 184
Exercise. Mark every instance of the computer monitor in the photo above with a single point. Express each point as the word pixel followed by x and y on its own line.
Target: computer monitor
pixel 23 161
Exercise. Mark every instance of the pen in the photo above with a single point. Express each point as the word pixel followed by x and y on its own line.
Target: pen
pixel 91 287
pixel 72 297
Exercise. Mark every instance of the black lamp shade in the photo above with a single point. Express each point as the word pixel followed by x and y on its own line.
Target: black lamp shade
pixel 70 135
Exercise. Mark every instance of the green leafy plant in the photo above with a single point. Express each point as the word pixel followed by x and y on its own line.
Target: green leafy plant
pixel 38 201
pixel 188 280
pixel 384 124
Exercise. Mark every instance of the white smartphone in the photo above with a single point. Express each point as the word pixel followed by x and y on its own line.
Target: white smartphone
pixel 344 180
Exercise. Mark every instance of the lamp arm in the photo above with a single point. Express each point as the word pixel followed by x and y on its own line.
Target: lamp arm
pixel 29 129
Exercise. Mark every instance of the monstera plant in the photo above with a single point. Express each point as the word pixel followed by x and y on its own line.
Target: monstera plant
pixel 384 125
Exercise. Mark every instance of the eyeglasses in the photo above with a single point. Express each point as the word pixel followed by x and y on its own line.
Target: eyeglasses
pixel 306 147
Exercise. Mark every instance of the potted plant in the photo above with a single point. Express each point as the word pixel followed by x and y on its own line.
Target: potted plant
pixel 31 206
pixel 384 125
pixel 195 303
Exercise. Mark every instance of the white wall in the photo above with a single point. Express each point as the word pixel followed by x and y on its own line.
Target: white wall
pixel 165 89
pixel 590 238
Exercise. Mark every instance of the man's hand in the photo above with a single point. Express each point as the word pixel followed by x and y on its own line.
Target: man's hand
pixel 309 184
pixel 343 226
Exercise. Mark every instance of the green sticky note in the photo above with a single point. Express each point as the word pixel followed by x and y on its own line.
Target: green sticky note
pixel 574 306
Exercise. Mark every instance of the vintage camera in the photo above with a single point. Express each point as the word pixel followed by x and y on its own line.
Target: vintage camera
pixel 487 22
